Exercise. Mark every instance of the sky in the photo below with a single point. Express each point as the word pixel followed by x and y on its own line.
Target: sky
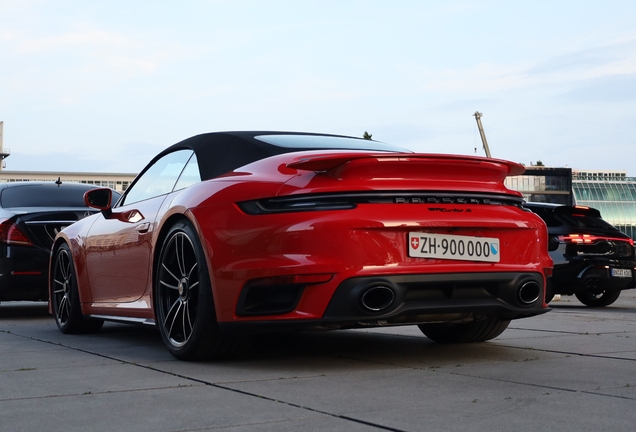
pixel 103 86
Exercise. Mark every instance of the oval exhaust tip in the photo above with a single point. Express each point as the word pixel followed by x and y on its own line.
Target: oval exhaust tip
pixel 529 292
pixel 377 298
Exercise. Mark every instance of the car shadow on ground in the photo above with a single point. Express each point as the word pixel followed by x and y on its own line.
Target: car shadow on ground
pixel 9 310
pixel 388 346
pixel 581 307
pixel 304 346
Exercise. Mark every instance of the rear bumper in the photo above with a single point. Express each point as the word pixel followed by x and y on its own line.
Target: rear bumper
pixel 509 295
pixel 23 273
pixel 588 275
pixel 412 299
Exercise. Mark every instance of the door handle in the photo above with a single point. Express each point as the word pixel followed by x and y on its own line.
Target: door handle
pixel 142 228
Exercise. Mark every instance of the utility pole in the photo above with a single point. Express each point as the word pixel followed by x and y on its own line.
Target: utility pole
pixel 482 133
pixel 3 153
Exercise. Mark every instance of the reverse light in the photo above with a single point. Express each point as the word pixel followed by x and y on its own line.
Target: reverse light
pixel 589 239
pixel 10 234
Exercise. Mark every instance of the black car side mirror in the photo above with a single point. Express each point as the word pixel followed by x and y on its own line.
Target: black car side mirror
pixel 100 199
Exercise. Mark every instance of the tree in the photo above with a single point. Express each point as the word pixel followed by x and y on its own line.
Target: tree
pixel 367 135
pixel 539 163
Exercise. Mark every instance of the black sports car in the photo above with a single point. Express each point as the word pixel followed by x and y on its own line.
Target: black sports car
pixel 31 215
pixel 592 259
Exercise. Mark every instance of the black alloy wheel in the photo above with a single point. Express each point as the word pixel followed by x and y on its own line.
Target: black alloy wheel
pixel 598 299
pixel 184 307
pixel 475 331
pixel 65 296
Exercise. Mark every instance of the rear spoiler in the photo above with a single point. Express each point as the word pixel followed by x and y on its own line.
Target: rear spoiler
pixel 321 163
pixel 577 211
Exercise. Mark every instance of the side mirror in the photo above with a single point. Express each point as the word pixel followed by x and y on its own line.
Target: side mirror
pixel 100 199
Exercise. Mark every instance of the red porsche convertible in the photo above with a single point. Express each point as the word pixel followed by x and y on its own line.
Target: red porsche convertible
pixel 224 234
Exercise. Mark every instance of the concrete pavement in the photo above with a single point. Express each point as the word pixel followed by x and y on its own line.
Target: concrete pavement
pixel 573 369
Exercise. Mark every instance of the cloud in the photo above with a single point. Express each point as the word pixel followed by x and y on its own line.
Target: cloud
pixel 126 158
pixel 84 64
pixel 615 88
pixel 610 59
pixel 86 37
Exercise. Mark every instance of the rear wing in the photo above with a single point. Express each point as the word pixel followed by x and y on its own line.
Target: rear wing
pixel 399 172
pixel 321 163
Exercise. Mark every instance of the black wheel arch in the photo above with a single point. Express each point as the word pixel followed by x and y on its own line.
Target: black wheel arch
pixel 166 226
pixel 56 246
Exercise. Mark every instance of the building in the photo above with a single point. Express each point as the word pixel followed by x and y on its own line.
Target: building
pixel 117 181
pixel 544 184
pixel 611 192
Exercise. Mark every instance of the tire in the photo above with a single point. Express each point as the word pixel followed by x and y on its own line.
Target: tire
pixel 476 331
pixel 65 296
pixel 604 298
pixel 184 306
pixel 549 293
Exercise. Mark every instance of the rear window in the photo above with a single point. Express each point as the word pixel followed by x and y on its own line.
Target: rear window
pixel 313 142
pixel 585 221
pixel 572 216
pixel 42 196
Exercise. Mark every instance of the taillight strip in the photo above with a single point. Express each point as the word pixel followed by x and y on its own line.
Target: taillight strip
pixel 350 200
pixel 589 239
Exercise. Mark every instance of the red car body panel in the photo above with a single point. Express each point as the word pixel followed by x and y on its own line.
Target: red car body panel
pixel 377 245
pixel 115 254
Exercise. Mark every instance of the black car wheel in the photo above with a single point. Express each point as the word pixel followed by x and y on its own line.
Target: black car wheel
pixel 184 306
pixel 549 292
pixel 476 331
pixel 604 298
pixel 65 296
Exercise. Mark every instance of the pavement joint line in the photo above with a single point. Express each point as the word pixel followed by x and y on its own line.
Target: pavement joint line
pixel 515 382
pixel 522 383
pixel 222 387
pixel 542 386
pixel 574 353
pixel 219 386
pixel 340 416
pixel 596 393
pixel 572 332
pixel 590 392
pixel 92 393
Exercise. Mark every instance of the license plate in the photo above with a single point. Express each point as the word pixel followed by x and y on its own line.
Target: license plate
pixel 454 247
pixel 621 273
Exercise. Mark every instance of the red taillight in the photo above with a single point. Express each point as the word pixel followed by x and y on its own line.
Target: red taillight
pixel 10 234
pixel 589 239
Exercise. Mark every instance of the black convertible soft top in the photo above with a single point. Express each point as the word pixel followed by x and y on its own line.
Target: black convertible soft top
pixel 222 152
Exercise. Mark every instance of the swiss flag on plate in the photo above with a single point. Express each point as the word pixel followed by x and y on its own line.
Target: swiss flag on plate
pixel 415 242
